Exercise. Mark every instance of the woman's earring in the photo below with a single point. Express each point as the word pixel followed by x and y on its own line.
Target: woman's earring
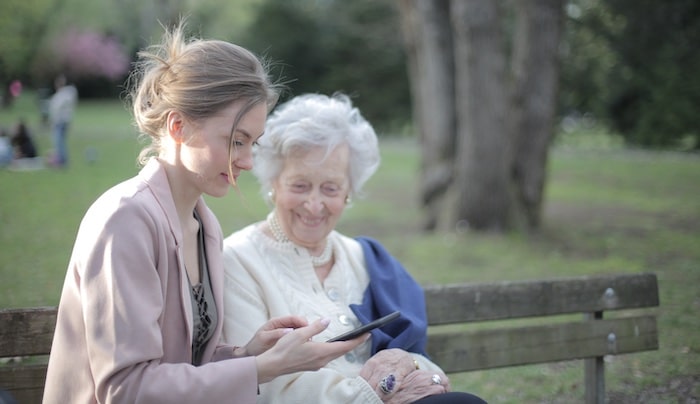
pixel 348 200
pixel 271 195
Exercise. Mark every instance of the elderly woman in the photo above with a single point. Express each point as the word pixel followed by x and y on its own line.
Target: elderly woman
pixel 316 155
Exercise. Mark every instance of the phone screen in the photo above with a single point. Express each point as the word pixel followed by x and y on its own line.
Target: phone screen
pixel 366 328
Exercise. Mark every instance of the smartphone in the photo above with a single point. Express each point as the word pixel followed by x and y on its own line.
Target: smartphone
pixel 366 328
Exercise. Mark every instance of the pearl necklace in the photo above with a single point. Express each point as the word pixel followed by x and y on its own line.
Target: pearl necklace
pixel 277 231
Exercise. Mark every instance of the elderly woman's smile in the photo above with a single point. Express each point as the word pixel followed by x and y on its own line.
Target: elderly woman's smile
pixel 310 195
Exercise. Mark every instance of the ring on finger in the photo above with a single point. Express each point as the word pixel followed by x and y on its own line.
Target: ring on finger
pixel 436 379
pixel 387 384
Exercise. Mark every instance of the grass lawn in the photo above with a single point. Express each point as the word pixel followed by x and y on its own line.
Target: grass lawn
pixel 607 210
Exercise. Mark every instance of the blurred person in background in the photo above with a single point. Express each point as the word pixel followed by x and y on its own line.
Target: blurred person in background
pixel 23 143
pixel 61 107
pixel 6 152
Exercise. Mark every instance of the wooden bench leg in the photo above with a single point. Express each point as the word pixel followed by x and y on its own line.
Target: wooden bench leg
pixel 594 371
pixel 595 380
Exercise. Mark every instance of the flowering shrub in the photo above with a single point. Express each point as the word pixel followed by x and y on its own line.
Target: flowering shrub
pixel 90 54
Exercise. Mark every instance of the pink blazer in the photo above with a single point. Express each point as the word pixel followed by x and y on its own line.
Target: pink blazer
pixel 124 328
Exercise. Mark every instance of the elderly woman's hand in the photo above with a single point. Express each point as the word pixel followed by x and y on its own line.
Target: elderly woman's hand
pixel 418 384
pixel 395 376
pixel 387 369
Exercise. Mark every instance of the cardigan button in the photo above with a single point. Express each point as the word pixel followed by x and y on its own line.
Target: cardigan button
pixel 344 320
pixel 333 294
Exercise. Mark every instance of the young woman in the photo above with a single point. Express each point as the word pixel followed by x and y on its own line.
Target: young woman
pixel 141 311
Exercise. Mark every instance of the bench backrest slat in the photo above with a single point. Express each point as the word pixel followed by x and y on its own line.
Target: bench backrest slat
pixel 27 331
pixel 30 331
pixel 487 349
pixel 24 382
pixel 489 301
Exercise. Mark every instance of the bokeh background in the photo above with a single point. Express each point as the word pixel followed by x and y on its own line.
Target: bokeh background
pixel 619 166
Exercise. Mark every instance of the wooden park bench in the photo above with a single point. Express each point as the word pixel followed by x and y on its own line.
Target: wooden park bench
pixel 473 342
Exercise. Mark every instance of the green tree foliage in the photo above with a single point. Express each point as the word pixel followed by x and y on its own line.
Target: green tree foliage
pixel 32 32
pixel 22 27
pixel 635 64
pixel 326 46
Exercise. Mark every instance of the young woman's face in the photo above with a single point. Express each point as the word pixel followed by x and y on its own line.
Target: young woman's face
pixel 205 155
pixel 310 195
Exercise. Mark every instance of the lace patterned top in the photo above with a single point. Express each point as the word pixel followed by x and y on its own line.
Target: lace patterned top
pixel 203 307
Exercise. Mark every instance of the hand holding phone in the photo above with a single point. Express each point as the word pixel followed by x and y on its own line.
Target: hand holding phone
pixel 366 328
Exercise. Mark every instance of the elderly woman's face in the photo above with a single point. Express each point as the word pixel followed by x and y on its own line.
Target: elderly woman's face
pixel 310 194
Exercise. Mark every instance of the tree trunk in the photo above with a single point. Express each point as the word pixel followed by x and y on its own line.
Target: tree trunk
pixel 484 150
pixel 484 133
pixel 428 41
pixel 535 70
